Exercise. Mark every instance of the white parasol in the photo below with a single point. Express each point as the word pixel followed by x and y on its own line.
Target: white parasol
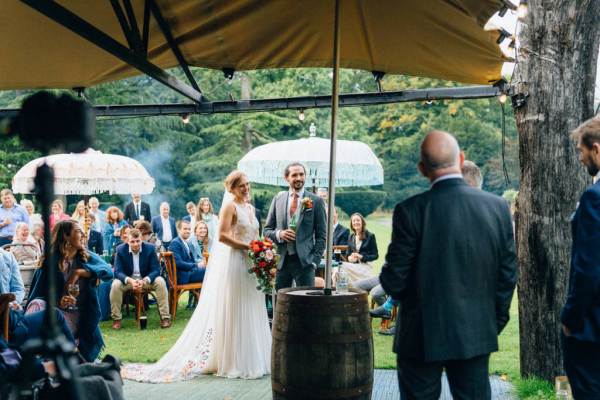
pixel 88 173
pixel 356 164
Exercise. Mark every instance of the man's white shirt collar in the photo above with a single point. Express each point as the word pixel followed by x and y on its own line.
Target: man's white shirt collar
pixel 444 177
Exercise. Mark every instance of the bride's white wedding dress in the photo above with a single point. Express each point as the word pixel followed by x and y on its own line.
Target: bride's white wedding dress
pixel 228 334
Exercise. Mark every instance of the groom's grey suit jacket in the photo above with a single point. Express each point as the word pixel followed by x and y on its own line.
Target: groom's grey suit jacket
pixel 311 228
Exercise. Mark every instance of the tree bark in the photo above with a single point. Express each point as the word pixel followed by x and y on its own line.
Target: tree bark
pixel 557 68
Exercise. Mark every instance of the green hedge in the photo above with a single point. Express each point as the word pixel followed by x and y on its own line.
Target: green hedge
pixel 361 201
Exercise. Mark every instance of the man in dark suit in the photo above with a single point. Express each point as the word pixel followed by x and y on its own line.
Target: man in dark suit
pixel 94 239
pixel 136 268
pixel 580 316
pixel 452 265
pixel 188 271
pixel 341 234
pixel 163 225
pixel 137 210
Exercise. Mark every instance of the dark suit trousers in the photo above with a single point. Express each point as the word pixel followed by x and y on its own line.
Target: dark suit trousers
pixel 582 364
pixel 292 271
pixel 468 379
pixel 195 275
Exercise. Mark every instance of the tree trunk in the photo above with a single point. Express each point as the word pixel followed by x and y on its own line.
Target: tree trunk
pixel 557 68
pixel 246 93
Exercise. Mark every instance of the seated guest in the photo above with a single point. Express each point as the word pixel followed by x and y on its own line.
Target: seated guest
pixel 191 217
pixel 137 210
pixel 75 266
pixel 164 225
pixel 362 249
pixel 36 236
pixel 10 214
pixel 112 229
pixel 98 213
pixel 25 252
pixel 95 242
pixel 34 218
pixel 136 268
pixel 79 213
pixel 341 234
pixel 10 278
pixel 58 213
pixel 200 246
pixel 205 213
pixel 188 271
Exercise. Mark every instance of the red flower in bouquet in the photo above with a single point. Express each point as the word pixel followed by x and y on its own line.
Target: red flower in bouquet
pixel 263 260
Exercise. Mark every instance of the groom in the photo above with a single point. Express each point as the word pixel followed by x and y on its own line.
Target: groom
pixel 300 248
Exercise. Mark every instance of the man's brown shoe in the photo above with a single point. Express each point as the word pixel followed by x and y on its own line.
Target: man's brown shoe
pixel 116 324
pixel 165 323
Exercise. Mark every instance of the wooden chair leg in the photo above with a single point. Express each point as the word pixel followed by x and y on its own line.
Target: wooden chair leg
pixel 139 299
pixel 5 325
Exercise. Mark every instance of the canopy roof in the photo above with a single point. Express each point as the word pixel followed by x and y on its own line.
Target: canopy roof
pixel 441 39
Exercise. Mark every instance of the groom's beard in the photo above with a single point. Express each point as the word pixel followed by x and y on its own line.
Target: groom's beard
pixel 297 185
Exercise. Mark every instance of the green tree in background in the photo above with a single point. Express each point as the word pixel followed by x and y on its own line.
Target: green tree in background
pixel 191 160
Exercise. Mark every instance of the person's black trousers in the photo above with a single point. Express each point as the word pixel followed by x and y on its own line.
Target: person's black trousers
pixel 468 379
pixel 582 364
pixel 293 271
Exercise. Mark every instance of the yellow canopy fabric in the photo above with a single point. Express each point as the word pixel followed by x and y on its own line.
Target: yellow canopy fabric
pixel 441 39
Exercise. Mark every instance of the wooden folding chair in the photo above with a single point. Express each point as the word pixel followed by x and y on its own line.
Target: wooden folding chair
pixel 175 289
pixel 5 300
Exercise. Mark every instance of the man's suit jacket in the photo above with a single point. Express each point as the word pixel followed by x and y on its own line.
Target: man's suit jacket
pixel 148 262
pixel 368 248
pixel 340 235
pixel 452 265
pixel 95 242
pixel 184 259
pixel 581 313
pixel 311 228
pixel 131 216
pixel 158 228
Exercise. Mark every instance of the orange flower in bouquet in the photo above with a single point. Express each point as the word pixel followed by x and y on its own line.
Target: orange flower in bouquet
pixel 264 264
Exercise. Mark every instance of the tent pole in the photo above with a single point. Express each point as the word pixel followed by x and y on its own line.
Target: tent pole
pixel 332 155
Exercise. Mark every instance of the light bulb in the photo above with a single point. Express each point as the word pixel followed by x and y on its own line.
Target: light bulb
pixel 301 115
pixel 185 118
pixel 502 98
pixel 429 102
pixel 522 10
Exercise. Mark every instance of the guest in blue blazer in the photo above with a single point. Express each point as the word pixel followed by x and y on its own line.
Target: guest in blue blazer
pixel 136 268
pixel 164 226
pixel 580 316
pixel 94 239
pixel 188 270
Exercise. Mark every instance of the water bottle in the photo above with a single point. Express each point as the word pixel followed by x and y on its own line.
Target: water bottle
pixel 341 285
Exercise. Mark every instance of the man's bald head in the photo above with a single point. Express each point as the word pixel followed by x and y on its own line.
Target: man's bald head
pixel 440 155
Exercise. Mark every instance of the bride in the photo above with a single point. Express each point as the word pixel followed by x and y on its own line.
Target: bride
pixel 228 334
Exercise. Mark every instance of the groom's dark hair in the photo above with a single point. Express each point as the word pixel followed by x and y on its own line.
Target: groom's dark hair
pixel 286 172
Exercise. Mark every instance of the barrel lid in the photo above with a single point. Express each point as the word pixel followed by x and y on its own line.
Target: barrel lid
pixel 307 293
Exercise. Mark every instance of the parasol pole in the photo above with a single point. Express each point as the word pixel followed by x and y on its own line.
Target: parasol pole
pixel 86 227
pixel 332 155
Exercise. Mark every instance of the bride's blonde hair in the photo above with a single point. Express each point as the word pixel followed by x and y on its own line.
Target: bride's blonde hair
pixel 233 179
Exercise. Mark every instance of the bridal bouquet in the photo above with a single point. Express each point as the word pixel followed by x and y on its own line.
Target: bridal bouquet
pixel 264 264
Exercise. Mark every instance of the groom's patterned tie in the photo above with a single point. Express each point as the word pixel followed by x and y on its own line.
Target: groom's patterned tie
pixel 294 205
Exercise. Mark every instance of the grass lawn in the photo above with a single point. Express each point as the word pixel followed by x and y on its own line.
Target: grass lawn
pixel 131 344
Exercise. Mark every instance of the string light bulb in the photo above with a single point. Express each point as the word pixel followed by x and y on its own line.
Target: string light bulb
pixel 301 115
pixel 522 9
pixel 185 118
pixel 502 98
pixel 429 102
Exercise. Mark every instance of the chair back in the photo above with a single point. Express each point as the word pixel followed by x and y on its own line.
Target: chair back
pixel 5 300
pixel 169 260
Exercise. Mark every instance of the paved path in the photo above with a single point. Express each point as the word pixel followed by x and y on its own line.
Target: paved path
pixel 385 387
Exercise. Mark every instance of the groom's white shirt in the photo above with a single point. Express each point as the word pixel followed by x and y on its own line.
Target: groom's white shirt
pixel 289 204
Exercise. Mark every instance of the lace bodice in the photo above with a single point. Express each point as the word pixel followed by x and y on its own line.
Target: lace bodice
pixel 245 228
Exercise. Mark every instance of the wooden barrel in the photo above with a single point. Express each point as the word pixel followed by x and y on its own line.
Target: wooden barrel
pixel 322 345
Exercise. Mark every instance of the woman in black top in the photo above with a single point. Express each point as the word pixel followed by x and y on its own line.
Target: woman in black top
pixel 362 249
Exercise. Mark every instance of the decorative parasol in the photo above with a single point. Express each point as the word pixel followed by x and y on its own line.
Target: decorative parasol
pixel 88 173
pixel 356 164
